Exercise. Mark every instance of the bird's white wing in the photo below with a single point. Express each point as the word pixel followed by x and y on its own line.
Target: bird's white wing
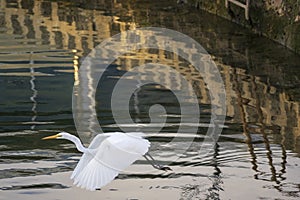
pixel 98 167
pixel 87 157
pixel 94 175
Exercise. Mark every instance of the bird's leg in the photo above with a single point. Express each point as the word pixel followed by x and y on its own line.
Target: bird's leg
pixel 154 163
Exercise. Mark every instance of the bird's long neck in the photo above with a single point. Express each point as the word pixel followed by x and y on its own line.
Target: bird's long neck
pixel 78 143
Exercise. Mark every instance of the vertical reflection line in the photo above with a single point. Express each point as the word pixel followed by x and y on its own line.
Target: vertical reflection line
pixel 244 121
pixel 34 92
pixel 216 180
pixel 263 128
pixel 91 99
pixel 75 66
pixel 284 155
pixel 136 92
pixel 136 102
pixel 283 133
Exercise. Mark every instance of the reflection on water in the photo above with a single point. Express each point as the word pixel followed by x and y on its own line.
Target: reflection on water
pixel 41 46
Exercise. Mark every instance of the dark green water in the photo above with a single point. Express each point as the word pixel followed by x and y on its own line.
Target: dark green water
pixel 42 44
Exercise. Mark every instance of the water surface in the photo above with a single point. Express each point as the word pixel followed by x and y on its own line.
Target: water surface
pixel 42 44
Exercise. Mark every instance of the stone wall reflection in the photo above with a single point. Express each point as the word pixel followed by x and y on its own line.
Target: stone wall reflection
pixel 262 104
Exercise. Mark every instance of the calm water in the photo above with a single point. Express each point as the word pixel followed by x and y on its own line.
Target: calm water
pixel 42 44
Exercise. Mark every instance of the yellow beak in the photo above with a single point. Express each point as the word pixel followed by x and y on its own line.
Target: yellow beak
pixel 51 137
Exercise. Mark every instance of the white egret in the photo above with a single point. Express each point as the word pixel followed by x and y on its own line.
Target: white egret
pixel 106 156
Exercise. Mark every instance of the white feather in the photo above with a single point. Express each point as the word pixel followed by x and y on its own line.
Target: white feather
pixel 107 155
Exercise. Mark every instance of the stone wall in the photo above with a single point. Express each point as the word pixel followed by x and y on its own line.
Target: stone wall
pixel 278 20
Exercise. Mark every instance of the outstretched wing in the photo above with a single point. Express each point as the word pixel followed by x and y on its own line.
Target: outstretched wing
pixel 98 167
pixel 87 157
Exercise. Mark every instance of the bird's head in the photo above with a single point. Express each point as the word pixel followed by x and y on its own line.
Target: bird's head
pixel 62 135
pixel 67 136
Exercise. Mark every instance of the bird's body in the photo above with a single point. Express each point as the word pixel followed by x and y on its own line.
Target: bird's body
pixel 106 156
pixel 99 166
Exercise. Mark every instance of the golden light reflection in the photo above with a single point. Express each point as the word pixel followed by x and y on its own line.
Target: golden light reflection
pixel 75 65
pixel 261 106
pixel 83 30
